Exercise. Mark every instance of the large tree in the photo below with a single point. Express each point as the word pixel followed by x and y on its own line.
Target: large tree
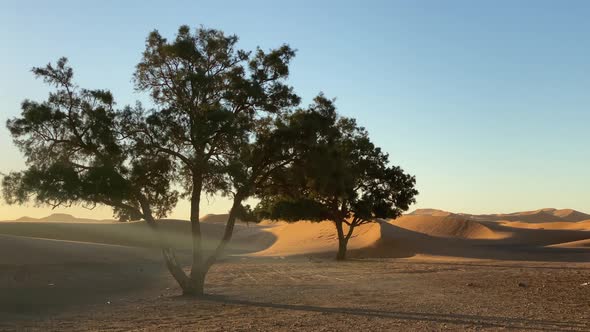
pixel 217 128
pixel 342 177
pixel 214 103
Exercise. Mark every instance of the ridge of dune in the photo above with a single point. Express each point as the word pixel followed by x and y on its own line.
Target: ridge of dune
pixel 557 225
pixel 538 211
pixel 534 216
pixel 431 212
pixel 571 215
pixel 545 215
pixel 574 244
pixel 538 216
pixel 446 226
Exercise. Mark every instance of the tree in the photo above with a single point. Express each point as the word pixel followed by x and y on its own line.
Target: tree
pixel 343 177
pixel 217 107
pixel 217 129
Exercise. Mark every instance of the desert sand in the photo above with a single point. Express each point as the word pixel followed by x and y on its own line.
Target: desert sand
pixel 428 270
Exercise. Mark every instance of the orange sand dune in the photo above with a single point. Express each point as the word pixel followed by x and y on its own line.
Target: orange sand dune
pixel 421 233
pixel 535 216
pixel 306 237
pixel 571 215
pixel 381 239
pixel 559 225
pixel 431 212
pixel 447 226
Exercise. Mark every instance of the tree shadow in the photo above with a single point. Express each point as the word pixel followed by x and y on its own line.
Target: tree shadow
pixel 439 318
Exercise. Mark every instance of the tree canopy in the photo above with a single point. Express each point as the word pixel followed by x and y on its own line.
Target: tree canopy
pixel 213 102
pixel 343 177
pixel 77 151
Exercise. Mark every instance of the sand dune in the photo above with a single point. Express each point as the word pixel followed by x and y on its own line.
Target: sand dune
pixel 434 236
pixel 314 237
pixel 559 225
pixel 571 215
pixel 431 212
pixel 139 234
pixel 452 226
pixel 27 250
pixel 427 231
pixel 540 216
pixel 535 216
pixel 214 218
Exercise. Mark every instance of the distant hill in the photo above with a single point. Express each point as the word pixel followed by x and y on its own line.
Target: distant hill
pixel 535 216
pixel 571 215
pixel 61 217
pixel 431 212
pixel 216 218
pixel 64 217
pixel 547 215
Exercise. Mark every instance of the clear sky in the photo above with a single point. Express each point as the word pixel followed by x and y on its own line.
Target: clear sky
pixel 486 102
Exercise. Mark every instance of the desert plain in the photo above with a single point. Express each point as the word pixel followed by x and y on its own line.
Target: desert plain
pixel 429 270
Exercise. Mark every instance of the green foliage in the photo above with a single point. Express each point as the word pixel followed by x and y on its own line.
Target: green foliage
pixel 215 102
pixel 290 210
pixel 210 128
pixel 246 214
pixel 78 151
pixel 340 174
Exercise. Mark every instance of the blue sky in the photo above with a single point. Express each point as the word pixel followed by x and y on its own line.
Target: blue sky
pixel 486 102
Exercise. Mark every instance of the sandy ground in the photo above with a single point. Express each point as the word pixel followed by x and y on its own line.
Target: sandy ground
pixel 431 272
pixel 321 295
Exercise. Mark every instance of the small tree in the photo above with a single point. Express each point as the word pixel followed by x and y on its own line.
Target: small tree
pixel 343 177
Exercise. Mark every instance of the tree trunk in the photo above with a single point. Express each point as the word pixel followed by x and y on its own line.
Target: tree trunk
pixel 175 269
pixel 343 239
pixel 167 252
pixel 196 285
pixel 341 255
pixel 198 269
pixel 229 229
pixel 193 284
